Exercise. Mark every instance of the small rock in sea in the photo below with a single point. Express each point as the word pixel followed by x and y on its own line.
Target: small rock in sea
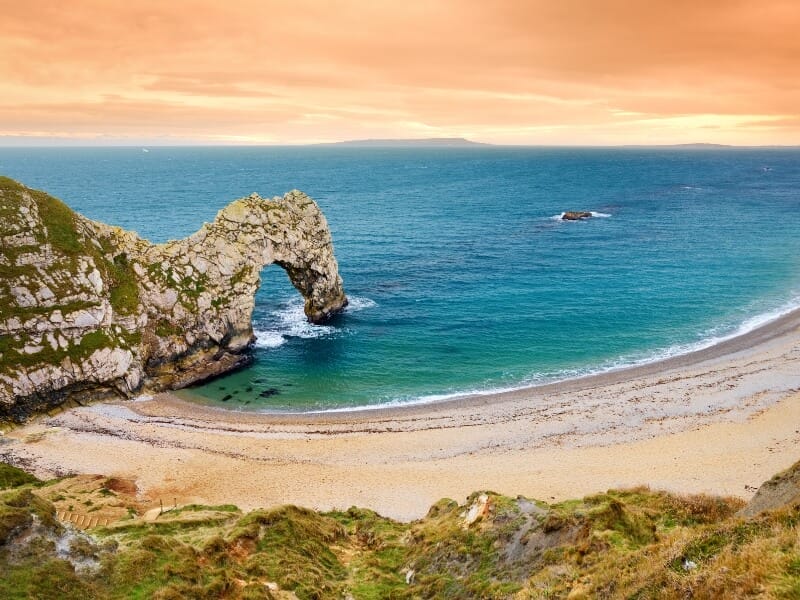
pixel 575 215
pixel 270 392
pixel 226 397
pixel 249 388
pixel 222 387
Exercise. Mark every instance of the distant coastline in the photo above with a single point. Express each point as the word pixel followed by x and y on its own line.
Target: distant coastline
pixel 26 143
pixel 442 142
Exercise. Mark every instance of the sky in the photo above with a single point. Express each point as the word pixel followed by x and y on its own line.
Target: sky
pixel 563 72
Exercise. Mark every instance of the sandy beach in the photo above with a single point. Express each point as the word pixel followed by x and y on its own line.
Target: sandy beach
pixel 718 421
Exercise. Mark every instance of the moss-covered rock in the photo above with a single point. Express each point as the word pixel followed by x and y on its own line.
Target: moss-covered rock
pixel 89 310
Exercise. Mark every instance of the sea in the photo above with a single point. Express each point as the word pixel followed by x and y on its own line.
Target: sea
pixel 462 277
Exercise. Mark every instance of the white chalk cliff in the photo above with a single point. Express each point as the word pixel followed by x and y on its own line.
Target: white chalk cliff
pixel 88 310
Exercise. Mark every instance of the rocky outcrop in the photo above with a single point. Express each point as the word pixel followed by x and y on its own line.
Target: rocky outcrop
pixel 88 310
pixel 782 491
pixel 573 215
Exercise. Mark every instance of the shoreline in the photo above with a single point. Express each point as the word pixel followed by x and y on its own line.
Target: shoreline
pixel 784 324
pixel 719 420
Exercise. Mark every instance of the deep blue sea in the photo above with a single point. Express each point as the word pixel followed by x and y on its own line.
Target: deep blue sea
pixel 461 276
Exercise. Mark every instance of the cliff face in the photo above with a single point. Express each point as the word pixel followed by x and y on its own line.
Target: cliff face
pixel 782 491
pixel 88 310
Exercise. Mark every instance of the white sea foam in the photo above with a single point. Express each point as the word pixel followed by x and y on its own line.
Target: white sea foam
pixel 357 303
pixel 268 339
pixel 709 339
pixel 596 214
pixel 415 401
pixel 287 322
pixel 290 321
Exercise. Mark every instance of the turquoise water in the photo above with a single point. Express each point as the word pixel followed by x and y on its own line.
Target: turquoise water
pixel 461 276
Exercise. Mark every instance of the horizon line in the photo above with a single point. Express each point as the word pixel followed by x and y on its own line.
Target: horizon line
pixel 386 142
pixel 476 146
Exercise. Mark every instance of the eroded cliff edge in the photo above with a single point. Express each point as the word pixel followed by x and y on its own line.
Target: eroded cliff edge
pixel 89 310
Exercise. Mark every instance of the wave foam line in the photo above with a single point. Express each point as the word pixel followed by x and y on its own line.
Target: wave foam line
pixel 744 328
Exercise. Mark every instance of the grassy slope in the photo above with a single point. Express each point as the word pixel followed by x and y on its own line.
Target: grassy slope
pixel 620 544
pixel 68 244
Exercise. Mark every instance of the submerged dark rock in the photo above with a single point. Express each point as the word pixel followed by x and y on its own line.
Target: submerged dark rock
pixel 89 311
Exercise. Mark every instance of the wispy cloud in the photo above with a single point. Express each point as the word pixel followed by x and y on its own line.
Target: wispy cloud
pixel 522 71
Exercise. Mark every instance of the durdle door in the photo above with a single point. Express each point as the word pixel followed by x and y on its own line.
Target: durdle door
pixel 89 310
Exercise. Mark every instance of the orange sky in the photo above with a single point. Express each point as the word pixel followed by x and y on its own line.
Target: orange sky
pixel 515 72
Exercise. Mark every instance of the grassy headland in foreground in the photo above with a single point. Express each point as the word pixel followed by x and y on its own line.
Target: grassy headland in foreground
pixel 634 543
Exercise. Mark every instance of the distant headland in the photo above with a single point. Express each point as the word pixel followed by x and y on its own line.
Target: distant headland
pixel 442 142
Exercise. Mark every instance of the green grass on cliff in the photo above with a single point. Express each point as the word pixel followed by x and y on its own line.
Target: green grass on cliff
pixel 619 544
pixel 59 220
pixel 124 292
pixel 13 356
pixel 12 477
pixel 61 229
pixel 68 243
